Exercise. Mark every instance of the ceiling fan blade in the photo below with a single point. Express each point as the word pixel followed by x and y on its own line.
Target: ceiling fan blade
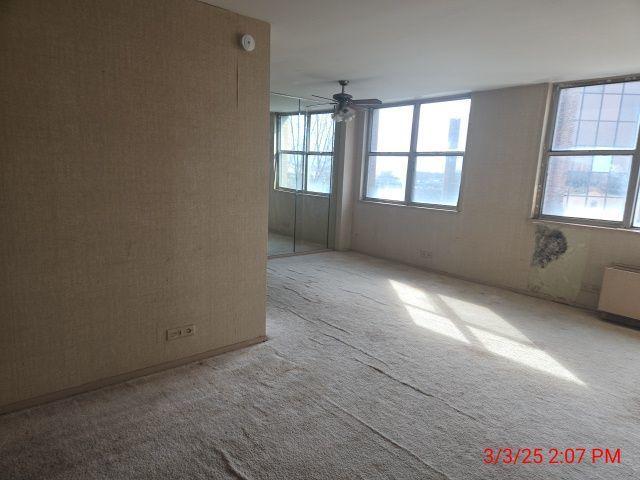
pixel 293 97
pixel 367 101
pixel 324 98
pixel 318 104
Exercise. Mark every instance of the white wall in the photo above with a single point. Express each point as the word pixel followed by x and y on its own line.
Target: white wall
pixel 491 240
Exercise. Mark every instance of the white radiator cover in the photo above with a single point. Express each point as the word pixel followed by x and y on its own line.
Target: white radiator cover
pixel 620 293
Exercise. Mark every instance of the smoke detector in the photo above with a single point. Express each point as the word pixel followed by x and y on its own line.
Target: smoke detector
pixel 248 42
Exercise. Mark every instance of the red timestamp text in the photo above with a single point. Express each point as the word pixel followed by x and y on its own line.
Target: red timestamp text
pixel 551 456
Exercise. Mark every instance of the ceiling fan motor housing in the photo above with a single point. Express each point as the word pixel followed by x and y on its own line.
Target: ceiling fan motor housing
pixel 342 97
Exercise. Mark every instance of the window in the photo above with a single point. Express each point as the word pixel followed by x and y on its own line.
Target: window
pixel 305 152
pixel 416 152
pixel 590 167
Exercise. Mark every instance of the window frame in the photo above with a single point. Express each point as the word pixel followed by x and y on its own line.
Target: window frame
pixel 412 155
pixel 305 153
pixel 548 152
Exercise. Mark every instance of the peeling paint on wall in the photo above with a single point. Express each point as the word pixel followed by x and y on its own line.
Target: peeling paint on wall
pixel 550 245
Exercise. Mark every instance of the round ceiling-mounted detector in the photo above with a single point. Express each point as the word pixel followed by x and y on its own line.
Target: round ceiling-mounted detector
pixel 248 42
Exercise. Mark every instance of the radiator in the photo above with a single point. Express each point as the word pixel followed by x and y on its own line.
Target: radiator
pixel 620 293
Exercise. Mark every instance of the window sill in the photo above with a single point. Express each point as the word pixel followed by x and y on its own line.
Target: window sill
pixel 559 223
pixel 441 208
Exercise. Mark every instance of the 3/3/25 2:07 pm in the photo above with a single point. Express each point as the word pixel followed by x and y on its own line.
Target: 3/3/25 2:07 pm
pixel 551 456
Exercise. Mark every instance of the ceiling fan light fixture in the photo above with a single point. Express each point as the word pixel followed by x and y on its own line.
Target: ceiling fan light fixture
pixel 343 114
pixel 345 107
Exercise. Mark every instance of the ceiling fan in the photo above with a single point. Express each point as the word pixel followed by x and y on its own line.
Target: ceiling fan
pixel 345 107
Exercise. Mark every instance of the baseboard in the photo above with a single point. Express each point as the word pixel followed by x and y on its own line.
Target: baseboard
pixel 123 377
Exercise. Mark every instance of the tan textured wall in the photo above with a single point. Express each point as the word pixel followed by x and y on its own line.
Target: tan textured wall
pixel 491 240
pixel 133 186
pixel 350 143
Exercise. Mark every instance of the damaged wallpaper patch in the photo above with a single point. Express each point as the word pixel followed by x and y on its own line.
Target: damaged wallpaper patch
pixel 558 261
pixel 550 245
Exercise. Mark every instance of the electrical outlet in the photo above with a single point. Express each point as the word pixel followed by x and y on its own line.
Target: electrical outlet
pixel 179 332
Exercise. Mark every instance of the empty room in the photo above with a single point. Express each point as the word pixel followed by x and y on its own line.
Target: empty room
pixel 304 239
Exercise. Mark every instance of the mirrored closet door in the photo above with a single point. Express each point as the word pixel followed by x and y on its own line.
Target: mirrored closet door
pixel 301 177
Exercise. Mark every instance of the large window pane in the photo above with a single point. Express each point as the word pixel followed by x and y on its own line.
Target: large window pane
pixel 292 129
pixel 391 129
pixel 386 177
pixel 319 173
pixel 598 117
pixel 320 132
pixel 290 171
pixel 437 180
pixel 592 187
pixel 443 126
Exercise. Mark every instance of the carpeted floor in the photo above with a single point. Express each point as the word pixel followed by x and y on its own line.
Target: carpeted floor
pixel 373 370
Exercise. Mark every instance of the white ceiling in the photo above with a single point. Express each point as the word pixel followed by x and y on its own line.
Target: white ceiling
pixel 407 49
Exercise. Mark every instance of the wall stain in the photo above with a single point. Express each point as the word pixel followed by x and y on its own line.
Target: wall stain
pixel 550 245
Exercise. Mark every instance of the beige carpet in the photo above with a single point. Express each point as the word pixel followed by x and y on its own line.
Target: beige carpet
pixel 373 370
